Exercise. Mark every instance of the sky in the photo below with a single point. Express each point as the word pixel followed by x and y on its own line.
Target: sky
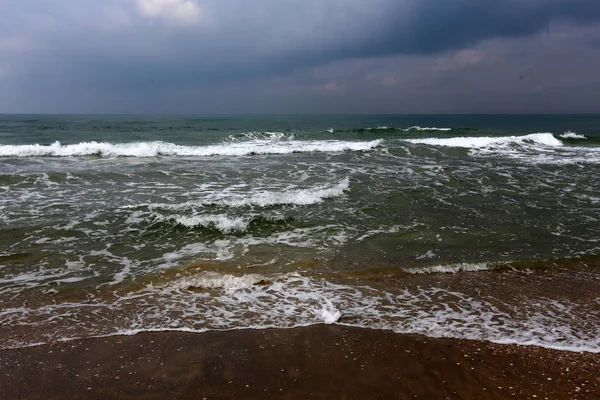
pixel 299 56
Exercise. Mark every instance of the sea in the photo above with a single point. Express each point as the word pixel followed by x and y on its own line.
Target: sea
pixel 482 227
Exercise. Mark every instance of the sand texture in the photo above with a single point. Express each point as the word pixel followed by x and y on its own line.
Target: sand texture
pixel 317 362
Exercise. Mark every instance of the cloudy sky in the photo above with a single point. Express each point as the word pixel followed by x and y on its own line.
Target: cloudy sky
pixel 299 56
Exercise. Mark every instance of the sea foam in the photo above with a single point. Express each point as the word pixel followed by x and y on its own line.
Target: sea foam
pixel 264 198
pixel 419 128
pixel 572 135
pixel 449 269
pixel 159 148
pixel 213 300
pixel 223 223
pixel 328 313
pixel 214 280
pixel 544 139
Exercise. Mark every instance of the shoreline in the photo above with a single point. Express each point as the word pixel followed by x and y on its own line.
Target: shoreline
pixel 318 361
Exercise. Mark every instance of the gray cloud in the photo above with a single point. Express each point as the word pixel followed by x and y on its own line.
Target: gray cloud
pixel 434 25
pixel 54 53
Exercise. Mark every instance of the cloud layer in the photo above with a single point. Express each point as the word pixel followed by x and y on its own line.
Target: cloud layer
pixel 206 56
pixel 178 11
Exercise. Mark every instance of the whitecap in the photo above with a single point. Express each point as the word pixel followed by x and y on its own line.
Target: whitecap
pixel 543 139
pixel 264 198
pixel 223 223
pixel 419 128
pixel 572 135
pixel 159 148
pixel 447 269
pixel 266 136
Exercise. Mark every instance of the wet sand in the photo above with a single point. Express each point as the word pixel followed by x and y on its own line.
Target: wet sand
pixel 317 362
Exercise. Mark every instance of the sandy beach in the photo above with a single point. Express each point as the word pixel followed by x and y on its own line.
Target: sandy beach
pixel 322 361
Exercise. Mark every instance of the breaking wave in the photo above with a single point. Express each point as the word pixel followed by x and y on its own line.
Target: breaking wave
pixel 572 135
pixel 159 148
pixel 270 136
pixel 418 128
pixel 544 139
pixel 449 269
pixel 221 223
pixel 384 128
pixel 224 223
pixel 299 197
pixel 212 300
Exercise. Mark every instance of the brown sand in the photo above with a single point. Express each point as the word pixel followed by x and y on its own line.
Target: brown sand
pixel 318 362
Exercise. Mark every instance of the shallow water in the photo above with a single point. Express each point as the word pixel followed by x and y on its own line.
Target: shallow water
pixel 459 226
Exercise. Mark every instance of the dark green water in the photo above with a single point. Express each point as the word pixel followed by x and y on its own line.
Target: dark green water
pixel 430 224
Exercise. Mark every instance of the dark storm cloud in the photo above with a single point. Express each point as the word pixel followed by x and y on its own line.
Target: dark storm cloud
pixel 65 48
pixel 432 26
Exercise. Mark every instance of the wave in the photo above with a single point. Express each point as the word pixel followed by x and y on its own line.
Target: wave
pixel 449 269
pixel 222 223
pixel 299 197
pixel 412 128
pixel 384 128
pixel 418 128
pixel 544 139
pixel 572 135
pixel 269 136
pixel 212 300
pixel 159 148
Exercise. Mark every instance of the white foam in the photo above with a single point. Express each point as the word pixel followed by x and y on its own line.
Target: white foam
pixel 315 238
pixel 418 128
pixel 447 269
pixel 159 148
pixel 219 250
pixel 223 223
pixel 412 128
pixel 572 135
pixel 287 300
pixel 428 254
pixel 544 139
pixel 328 313
pixel 268 136
pixel 214 280
pixel 125 272
pixel 34 279
pixel 385 230
pixel 536 148
pixel 295 197
pixel 260 198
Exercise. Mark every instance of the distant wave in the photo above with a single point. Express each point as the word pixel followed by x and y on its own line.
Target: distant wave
pixel 159 148
pixel 265 198
pixel 545 139
pixel 384 128
pixel 412 128
pixel 572 135
pixel 269 136
pixel 418 128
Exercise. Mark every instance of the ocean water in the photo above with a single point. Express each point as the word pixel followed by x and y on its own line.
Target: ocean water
pixel 477 227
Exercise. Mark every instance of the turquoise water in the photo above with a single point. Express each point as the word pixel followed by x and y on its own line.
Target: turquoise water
pixel 430 224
